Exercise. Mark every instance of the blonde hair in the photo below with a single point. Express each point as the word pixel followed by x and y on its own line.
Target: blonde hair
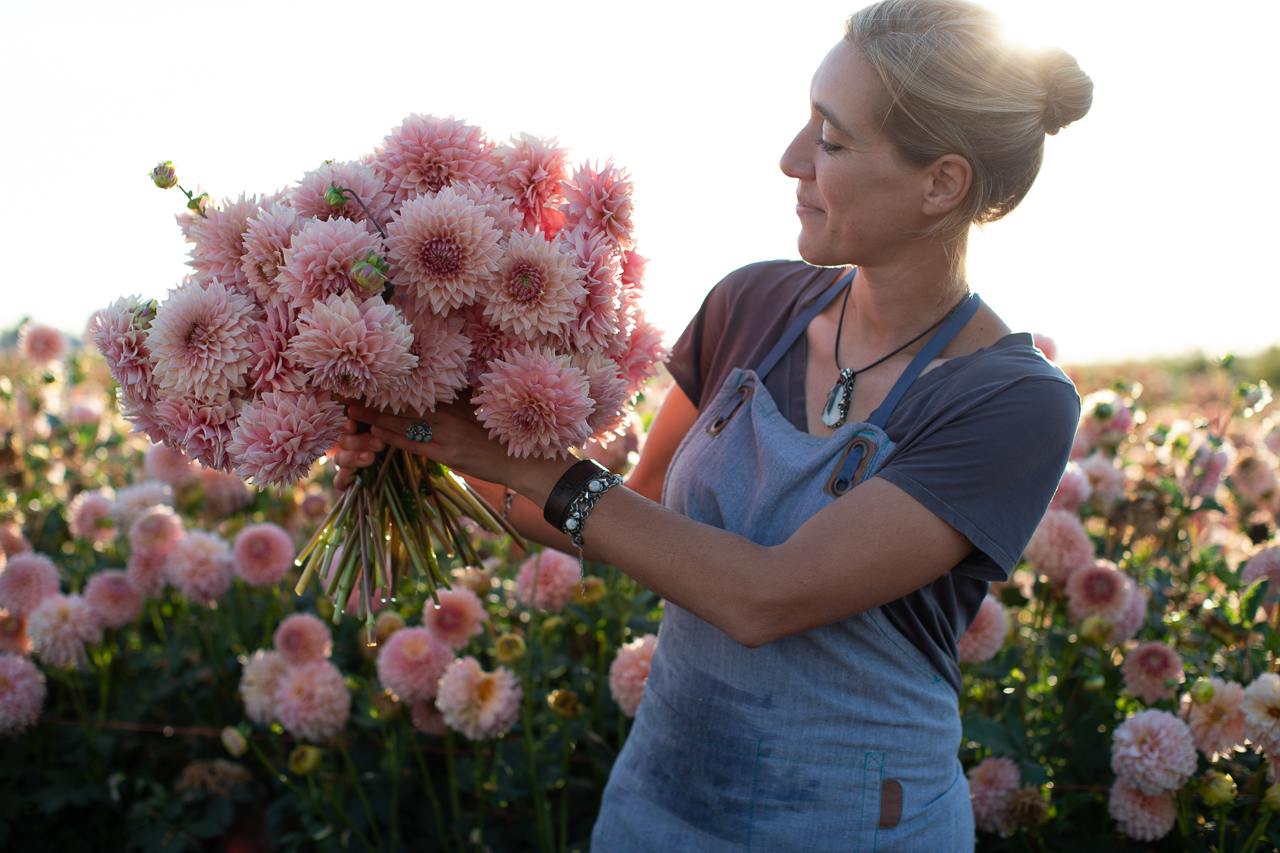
pixel 954 85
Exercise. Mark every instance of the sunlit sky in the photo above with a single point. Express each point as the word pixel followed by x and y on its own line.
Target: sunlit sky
pixel 1144 235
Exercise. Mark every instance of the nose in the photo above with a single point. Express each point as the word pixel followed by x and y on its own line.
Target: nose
pixel 797 159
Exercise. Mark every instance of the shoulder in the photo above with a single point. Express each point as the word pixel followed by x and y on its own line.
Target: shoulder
pixel 776 283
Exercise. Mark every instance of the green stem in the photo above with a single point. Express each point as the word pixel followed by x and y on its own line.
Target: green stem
pixel 480 797
pixel 564 793
pixel 364 801
pixel 429 787
pixel 395 757
pixel 1251 843
pixel 455 799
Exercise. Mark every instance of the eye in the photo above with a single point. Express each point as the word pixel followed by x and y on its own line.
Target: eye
pixel 826 146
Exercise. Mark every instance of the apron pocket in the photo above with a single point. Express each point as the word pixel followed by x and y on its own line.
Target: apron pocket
pixel 817 806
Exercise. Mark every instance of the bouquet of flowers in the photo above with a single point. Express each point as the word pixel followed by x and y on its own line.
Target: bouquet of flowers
pixel 440 265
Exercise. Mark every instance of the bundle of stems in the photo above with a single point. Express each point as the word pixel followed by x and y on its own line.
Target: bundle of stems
pixel 390 522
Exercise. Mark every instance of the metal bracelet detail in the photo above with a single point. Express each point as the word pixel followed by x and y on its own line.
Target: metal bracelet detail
pixel 580 507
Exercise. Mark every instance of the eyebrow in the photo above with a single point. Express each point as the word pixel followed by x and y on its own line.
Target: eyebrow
pixel 834 122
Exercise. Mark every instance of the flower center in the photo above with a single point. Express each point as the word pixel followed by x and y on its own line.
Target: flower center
pixel 484 689
pixel 525 283
pixel 441 258
pixel 448 619
pixel 1101 589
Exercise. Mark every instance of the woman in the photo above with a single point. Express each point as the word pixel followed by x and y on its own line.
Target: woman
pixel 847 460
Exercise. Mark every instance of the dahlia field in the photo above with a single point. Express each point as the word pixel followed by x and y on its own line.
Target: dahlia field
pixel 163 688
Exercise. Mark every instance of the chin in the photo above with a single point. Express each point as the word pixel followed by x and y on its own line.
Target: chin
pixel 820 256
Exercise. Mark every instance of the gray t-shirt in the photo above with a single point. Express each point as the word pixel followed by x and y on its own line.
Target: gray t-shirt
pixel 980 440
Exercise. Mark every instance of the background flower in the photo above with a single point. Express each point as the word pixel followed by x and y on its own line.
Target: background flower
pixel 629 673
pixel 476 703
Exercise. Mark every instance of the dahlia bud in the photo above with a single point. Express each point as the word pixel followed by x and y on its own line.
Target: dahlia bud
pixel 1095 630
pixel 1272 798
pixel 1217 789
pixel 563 703
pixel 164 176
pixel 1202 691
pixel 385 624
pixel 335 196
pixel 593 590
pixel 233 740
pixel 371 273
pixel 553 624
pixel 145 313
pixel 1028 806
pixel 304 760
pixel 509 648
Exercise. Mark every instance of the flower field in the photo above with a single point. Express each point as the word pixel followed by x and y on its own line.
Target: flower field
pixel 162 687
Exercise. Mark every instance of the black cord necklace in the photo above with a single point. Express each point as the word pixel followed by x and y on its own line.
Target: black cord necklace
pixel 841 394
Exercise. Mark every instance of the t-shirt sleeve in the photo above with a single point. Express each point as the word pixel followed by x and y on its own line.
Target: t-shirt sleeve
pixel 693 354
pixel 989 467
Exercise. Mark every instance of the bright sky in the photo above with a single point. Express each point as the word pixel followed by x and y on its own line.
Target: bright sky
pixel 1145 233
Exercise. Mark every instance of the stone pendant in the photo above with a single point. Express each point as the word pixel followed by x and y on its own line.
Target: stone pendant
pixel 837 407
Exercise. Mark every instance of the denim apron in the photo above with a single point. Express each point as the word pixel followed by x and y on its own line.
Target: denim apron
pixel 841 738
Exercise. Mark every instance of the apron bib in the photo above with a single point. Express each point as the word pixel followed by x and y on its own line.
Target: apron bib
pixel 841 738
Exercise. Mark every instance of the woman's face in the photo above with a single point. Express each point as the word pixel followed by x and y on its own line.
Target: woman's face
pixel 858 203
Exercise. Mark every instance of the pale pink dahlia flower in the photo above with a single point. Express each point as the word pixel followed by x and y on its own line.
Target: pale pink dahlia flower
pixel 41 344
pixel 502 210
pixel 267 236
pixel 312 701
pixel 986 636
pixel 169 465
pixel 263 554
pixel 1264 565
pixel 13 634
pixel 89 517
pixel 223 494
pixel 1261 706
pixel 601 200
pixel 156 531
pixel 120 333
pixel 547 580
pixel 60 627
pixel 476 703
pixel 1206 466
pixel 488 342
pixel 1152 751
pixel 991 783
pixel 1253 474
pixel 411 662
pixel 302 638
pixel 641 352
pixel 1152 672
pixel 1105 421
pixel 146 570
pixel 319 261
pixel 608 391
pixel 1106 478
pixel 425 154
pixel 114 599
pixel 141 414
pixel 274 366
pixel 202 430
pixel 1141 816
pixel 259 683
pixel 353 348
pixel 428 719
pixel 308 197
pixel 12 540
pixel 200 342
pixel 22 693
pixel 535 402
pixel 218 236
pixel 201 567
pixel 598 322
pixel 1073 489
pixel 532 169
pixel 460 616
pixel 442 351
pixel 1217 726
pixel 27 579
pixel 1099 589
pixel 444 249
pixel 535 290
pixel 1059 546
pixel 629 673
pixel 279 435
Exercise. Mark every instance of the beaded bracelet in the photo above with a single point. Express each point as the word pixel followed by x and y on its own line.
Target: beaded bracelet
pixel 580 507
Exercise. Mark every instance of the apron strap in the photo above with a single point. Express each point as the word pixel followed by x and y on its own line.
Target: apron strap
pixel 797 327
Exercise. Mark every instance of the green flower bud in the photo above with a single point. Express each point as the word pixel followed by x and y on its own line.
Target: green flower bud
pixel 1217 789
pixel 234 741
pixel 1272 798
pixel 145 313
pixel 1095 630
pixel 563 703
pixel 553 624
pixel 164 176
pixel 1201 691
pixel 335 196
pixel 371 273
pixel 304 760
pixel 509 648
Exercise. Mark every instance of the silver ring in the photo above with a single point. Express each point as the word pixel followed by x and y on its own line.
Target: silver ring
pixel 419 431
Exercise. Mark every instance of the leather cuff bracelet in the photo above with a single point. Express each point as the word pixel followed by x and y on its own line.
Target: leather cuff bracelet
pixel 566 490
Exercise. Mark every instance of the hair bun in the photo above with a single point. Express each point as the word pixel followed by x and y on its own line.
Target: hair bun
pixel 1068 91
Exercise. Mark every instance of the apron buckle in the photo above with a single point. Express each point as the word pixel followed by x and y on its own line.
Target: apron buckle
pixel 729 409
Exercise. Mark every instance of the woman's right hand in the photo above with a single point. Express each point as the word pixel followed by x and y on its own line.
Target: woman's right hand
pixel 356 450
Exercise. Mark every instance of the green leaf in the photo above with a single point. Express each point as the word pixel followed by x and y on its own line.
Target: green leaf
pixel 1011 596
pixel 990 734
pixel 1249 601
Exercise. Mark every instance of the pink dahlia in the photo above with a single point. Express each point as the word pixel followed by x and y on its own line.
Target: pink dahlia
pixel 140 412
pixel 12 540
pixel 598 320
pixel 156 531
pixel 1264 565
pixel 22 693
pixel 279 435
pixel 1152 751
pixel 609 393
pixel 360 179
pixel 222 494
pixel 476 703
pixel 488 342
pixel 630 671
pixel 1105 422
pixel 1260 703
pixel 1045 344
pixel 202 430
pixel 1059 546
pixel 460 616
pixel 641 352
pixel 120 333
pixel 60 627
pixel 302 638
pixel 633 269
pixel 1217 725
pixel 1206 465
pixel 355 349
pixel 987 634
pixel 146 570
pixel 1152 672
pixel 1073 489
pixel 113 598
pixel 444 249
pixel 259 683
pixel 312 700
pixel 991 784
pixel 27 579
pixel 601 200
pixel 169 465
pixel 201 567
pixel 274 367
pixel 1106 478
pixel 535 290
pixel 200 342
pixel 411 662
pixel 425 154
pixel 267 236
pixel 1141 816
pixel 218 236
pixel 319 262
pixel 532 169
pixel 1253 474
pixel 502 210
pixel 89 517
pixel 1099 589
pixel 13 634
pixel 428 719
pixel 442 351
pixel 535 402
pixel 263 554
pixel 547 580
pixel 41 344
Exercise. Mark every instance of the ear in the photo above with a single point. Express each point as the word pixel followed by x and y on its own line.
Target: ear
pixel 947 180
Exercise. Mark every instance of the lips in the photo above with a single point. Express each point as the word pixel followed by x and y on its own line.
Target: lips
pixel 803 208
